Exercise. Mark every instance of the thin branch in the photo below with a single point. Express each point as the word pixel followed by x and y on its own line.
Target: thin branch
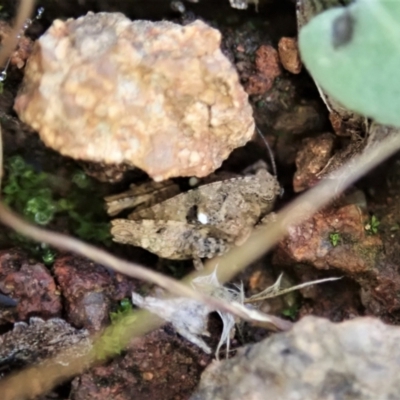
pixel 42 378
pixel 275 290
pixel 99 256
pixel 270 153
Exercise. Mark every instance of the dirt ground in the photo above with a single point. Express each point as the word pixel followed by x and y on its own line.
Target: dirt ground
pixel 356 237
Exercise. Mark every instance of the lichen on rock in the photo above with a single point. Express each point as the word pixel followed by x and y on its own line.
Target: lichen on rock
pixel 317 359
pixel 155 95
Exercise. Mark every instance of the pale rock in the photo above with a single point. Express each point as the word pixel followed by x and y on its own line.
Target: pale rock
pixel 155 95
pixel 316 360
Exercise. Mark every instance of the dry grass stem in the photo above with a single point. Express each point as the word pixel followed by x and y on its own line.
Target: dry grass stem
pixel 275 290
pixel 102 257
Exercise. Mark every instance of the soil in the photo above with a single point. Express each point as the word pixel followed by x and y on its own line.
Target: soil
pixel 357 237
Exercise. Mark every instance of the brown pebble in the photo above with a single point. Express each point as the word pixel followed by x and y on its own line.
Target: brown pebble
pixel 268 68
pixel 267 62
pixel 148 376
pixel 289 54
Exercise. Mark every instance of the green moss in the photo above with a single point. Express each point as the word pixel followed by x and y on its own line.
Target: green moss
pixel 125 308
pixel 114 339
pixel 37 196
pixel 291 312
pixel 260 104
pixel 48 255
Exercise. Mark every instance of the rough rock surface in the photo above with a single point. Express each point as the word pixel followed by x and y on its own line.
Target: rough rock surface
pixel 157 366
pixel 317 359
pixel 302 118
pixel 159 96
pixel 311 158
pixel 90 290
pixel 39 340
pixel 355 252
pixel 289 54
pixel 340 238
pixel 30 284
pixel 267 69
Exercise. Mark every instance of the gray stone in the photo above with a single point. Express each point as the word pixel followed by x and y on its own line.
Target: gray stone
pixel 317 359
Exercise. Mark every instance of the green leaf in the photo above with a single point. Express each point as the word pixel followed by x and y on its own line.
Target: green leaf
pixel 17 165
pixel 48 256
pixel 291 312
pixel 334 238
pixel 81 180
pixel 40 209
pixel 353 53
pixel 35 194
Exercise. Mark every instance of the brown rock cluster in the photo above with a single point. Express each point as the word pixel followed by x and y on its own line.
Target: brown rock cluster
pixel 155 95
pixel 267 67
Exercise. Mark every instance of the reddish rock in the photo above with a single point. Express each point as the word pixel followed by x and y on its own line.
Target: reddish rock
pixel 89 290
pixel 381 297
pixel 156 366
pixel 345 123
pixel 258 84
pixel 358 254
pixel 311 243
pixel 268 68
pixel 267 62
pixel 30 284
pixel 289 54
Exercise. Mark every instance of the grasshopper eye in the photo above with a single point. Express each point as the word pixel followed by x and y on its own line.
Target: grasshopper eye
pixel 342 29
